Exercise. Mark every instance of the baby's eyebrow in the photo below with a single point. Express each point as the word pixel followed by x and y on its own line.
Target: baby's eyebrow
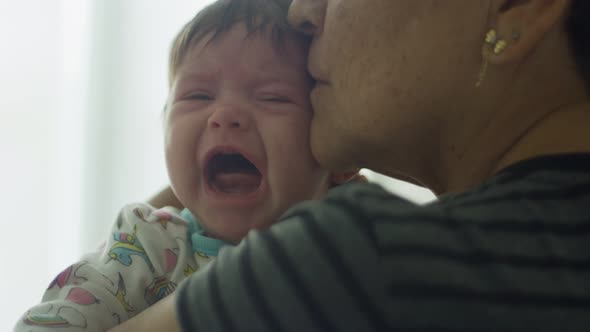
pixel 278 84
pixel 282 77
pixel 197 77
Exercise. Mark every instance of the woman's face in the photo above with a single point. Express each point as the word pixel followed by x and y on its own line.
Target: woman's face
pixel 391 76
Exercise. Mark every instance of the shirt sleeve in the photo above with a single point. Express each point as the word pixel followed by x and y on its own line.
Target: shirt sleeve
pixel 316 270
pixel 365 260
pixel 144 258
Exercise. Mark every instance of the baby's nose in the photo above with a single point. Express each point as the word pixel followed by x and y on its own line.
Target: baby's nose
pixel 229 117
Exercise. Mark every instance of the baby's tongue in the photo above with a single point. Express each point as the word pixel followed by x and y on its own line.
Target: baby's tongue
pixel 237 182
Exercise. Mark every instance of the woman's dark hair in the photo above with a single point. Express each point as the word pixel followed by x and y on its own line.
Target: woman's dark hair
pixel 578 26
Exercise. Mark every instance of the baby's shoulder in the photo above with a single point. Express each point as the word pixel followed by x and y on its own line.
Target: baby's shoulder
pixel 141 215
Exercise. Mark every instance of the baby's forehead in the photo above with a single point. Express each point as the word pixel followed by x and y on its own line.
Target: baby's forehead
pixel 256 53
pixel 221 16
pixel 287 49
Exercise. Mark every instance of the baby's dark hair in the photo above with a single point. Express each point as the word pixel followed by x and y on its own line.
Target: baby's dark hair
pixel 220 16
pixel 578 26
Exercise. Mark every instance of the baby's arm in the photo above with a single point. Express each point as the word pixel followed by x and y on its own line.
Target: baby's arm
pixel 144 259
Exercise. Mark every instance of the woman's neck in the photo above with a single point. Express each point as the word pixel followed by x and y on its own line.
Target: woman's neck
pixel 562 130
pixel 566 130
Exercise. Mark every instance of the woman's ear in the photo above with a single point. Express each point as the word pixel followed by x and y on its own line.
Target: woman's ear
pixel 519 27
pixel 338 178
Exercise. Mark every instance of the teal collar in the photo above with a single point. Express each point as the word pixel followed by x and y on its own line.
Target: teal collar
pixel 201 243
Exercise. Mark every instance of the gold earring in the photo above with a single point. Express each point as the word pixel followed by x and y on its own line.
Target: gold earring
pixel 491 37
pixel 500 46
pixel 494 44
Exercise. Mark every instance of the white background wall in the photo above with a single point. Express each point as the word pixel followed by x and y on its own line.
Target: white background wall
pixel 82 86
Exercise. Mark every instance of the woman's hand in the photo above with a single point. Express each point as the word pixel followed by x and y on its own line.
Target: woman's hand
pixel 159 317
pixel 164 198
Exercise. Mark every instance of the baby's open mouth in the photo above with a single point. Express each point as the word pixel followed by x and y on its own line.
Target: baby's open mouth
pixel 232 173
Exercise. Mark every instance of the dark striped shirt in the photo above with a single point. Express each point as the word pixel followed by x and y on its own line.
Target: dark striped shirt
pixel 511 255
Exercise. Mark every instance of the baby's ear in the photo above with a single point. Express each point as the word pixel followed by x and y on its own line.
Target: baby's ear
pixel 338 178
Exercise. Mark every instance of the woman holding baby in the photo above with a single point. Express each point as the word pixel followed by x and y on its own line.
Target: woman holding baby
pixel 484 102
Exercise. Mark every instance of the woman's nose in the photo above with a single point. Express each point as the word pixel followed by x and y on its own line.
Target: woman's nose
pixel 229 117
pixel 308 15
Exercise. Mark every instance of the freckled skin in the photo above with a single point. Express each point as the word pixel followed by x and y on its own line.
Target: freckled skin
pixel 381 101
pixel 398 90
